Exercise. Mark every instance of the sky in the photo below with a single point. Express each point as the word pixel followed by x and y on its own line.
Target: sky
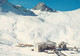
pixel 60 5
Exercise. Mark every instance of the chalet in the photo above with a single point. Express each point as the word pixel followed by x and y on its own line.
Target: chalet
pixel 44 46
pixel 62 45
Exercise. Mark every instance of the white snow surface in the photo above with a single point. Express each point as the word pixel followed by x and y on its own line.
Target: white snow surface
pixel 54 26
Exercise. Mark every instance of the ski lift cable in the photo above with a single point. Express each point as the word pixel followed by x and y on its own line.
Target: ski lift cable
pixel 2 3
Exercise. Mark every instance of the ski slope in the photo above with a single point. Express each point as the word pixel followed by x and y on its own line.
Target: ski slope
pixel 54 26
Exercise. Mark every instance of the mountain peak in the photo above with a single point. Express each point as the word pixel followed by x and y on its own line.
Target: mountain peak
pixel 41 6
pixel 6 7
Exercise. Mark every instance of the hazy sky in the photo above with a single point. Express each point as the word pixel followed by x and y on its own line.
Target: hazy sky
pixel 61 5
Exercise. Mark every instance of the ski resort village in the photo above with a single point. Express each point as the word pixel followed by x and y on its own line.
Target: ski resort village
pixel 40 31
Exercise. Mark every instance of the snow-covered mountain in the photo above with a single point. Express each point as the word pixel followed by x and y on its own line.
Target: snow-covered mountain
pixel 59 26
pixel 41 6
pixel 5 7
pixel 55 26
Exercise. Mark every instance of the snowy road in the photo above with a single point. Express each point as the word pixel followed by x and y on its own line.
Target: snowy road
pixel 18 51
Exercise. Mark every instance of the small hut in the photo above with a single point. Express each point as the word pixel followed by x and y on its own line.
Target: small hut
pixel 63 45
pixel 44 46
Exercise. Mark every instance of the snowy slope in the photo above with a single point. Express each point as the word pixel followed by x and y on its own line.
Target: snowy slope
pixel 5 7
pixel 57 26
pixel 65 25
